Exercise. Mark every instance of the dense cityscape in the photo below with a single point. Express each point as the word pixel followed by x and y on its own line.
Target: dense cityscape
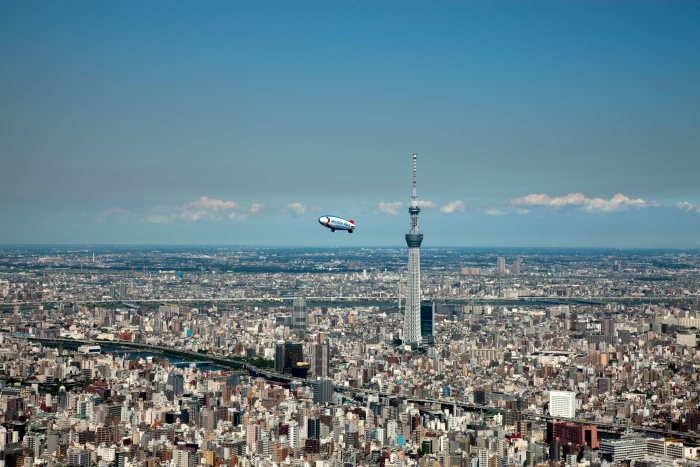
pixel 263 356
pixel 349 233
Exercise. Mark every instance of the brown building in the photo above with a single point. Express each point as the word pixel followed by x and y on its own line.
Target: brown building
pixel 576 434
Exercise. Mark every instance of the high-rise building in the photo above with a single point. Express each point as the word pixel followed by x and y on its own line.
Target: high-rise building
pixel 323 391
pixel 555 450
pixel 319 360
pixel 427 318
pixel 252 435
pixel 608 327
pixel 299 317
pixel 501 265
pixel 314 428
pixel 562 404
pixel 481 397
pixel 233 380
pixel 15 409
pixel 517 264
pixel 484 458
pixel 287 355
pixel 62 397
pixel 33 444
pixel 177 382
pixel 412 326
pixel 352 439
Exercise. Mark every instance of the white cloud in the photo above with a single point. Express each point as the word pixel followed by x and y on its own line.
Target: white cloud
pixel 540 199
pixel 257 207
pixel 495 211
pixel 426 204
pixel 389 208
pixel 453 207
pixel 502 211
pixel 687 206
pixel 618 202
pixel 205 208
pixel 297 208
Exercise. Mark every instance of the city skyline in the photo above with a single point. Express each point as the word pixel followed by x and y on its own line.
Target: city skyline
pixel 549 124
pixel 202 257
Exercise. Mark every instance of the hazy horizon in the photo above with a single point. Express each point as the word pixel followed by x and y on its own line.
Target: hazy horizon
pixel 311 247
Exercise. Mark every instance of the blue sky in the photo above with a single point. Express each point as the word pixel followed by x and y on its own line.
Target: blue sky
pixel 536 123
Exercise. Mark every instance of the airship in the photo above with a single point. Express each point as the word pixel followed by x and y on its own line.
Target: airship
pixel 336 223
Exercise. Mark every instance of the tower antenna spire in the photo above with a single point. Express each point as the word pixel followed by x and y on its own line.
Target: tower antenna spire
pixel 414 197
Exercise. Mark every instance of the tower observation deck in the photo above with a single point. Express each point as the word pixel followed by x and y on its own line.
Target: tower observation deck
pixel 414 238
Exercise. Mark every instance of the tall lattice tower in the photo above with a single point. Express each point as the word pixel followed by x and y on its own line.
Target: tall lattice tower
pixel 411 327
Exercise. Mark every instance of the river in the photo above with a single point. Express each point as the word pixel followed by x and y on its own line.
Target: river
pixel 136 354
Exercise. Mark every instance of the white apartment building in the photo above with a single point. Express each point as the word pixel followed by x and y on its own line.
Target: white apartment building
pixel 562 404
